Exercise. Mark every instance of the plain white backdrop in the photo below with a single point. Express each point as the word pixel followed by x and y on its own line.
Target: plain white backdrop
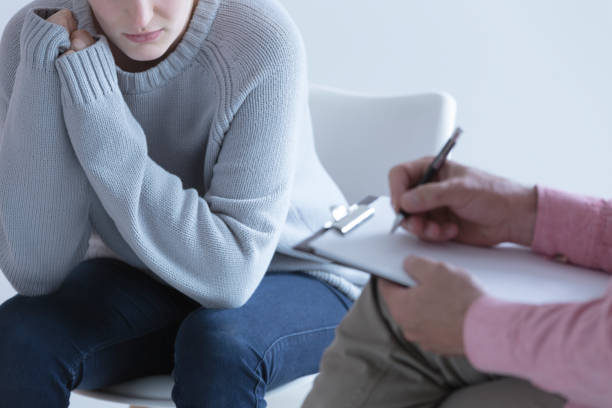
pixel 531 78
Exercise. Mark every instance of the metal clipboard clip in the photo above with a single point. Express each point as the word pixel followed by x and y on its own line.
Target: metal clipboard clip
pixel 345 219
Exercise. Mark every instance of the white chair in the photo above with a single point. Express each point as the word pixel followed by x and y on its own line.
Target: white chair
pixel 359 138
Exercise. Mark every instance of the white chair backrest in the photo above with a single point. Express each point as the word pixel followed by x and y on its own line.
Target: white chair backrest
pixel 359 138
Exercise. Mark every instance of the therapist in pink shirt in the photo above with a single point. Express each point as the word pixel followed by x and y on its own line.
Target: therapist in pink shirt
pixel 446 343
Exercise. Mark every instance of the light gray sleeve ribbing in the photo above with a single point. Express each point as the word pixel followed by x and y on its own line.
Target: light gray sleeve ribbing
pixel 44 224
pixel 216 248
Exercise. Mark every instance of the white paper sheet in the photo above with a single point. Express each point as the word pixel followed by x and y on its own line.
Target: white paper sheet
pixel 508 271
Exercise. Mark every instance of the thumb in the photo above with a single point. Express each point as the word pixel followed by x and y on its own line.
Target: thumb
pixel 417 268
pixel 430 196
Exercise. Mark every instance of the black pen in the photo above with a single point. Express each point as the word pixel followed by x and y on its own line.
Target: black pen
pixel 433 169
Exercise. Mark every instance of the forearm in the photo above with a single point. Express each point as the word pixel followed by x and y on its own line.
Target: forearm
pixel 563 348
pixel 215 248
pixel 574 227
pixel 44 224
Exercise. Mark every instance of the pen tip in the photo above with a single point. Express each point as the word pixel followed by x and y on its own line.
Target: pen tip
pixel 395 225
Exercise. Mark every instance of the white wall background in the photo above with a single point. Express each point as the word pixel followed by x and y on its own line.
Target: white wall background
pixel 531 77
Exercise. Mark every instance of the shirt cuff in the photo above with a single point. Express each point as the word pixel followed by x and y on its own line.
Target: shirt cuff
pixel 88 74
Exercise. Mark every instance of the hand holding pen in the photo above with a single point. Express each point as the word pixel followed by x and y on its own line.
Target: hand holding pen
pixel 431 172
pixel 463 204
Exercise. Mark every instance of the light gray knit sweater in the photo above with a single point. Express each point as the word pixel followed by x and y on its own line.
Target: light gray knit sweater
pixel 200 171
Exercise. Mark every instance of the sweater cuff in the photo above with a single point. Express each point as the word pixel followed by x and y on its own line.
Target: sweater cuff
pixel 88 74
pixel 490 335
pixel 42 42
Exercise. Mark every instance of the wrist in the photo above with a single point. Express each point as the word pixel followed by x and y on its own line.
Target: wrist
pixel 523 220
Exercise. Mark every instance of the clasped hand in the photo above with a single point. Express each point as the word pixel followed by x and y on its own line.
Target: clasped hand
pixel 79 39
pixel 464 205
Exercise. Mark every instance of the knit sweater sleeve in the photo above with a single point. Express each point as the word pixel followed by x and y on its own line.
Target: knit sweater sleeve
pixel 216 248
pixel 44 226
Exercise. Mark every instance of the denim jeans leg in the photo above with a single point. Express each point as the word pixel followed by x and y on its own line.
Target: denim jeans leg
pixel 107 323
pixel 229 358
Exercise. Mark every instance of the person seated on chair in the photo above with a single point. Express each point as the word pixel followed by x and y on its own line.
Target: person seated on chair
pixel 176 135
pixel 445 343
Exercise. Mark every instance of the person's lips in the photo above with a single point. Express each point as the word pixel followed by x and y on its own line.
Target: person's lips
pixel 144 37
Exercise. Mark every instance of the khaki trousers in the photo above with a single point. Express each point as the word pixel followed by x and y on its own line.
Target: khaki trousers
pixel 371 364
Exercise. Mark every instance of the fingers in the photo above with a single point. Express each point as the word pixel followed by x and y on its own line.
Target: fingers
pixel 404 176
pixel 80 39
pixel 395 296
pixel 64 18
pixel 423 269
pixel 431 230
pixel 406 195
pixel 388 287
pixel 417 268
pixel 431 196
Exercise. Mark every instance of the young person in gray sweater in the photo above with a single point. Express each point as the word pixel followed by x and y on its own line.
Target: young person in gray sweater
pixel 156 167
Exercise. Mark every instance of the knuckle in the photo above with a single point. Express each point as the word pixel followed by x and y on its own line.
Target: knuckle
pixel 395 171
pixel 419 261
pixel 414 200
pixel 465 276
pixel 82 35
pixel 410 261
pixel 460 184
pixel 439 191
pixel 63 17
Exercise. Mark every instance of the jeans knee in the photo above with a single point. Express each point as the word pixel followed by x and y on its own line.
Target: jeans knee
pixel 32 353
pixel 213 355
pixel 212 343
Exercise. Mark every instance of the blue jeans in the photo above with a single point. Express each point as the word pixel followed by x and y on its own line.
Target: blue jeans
pixel 110 322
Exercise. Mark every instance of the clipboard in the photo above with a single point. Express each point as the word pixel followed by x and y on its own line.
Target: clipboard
pixel 358 237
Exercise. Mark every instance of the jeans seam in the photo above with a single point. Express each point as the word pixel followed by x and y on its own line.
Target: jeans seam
pixel 276 342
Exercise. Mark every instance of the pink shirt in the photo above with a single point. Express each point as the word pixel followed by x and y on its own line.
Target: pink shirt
pixel 562 348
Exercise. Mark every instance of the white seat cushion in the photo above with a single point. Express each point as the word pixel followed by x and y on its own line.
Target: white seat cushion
pixel 156 391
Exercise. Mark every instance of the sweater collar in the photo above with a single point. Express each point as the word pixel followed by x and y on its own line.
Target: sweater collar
pixel 175 63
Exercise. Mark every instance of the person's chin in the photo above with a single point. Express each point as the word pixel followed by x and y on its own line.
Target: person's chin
pixel 145 53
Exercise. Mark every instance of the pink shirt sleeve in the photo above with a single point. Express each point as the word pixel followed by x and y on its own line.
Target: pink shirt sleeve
pixel 578 228
pixel 562 348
